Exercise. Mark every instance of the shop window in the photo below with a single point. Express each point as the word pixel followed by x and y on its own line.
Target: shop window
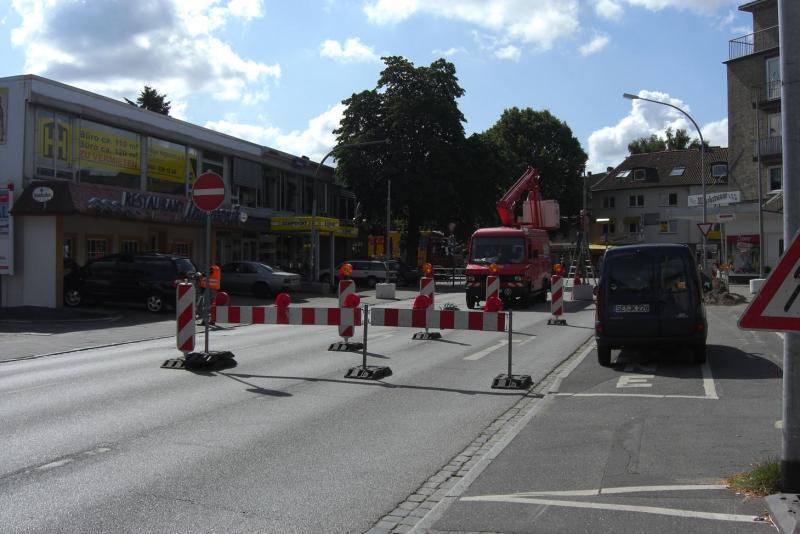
pixel 668 199
pixel 668 227
pixel 636 201
pixel 633 228
pixel 96 247
pixel 108 156
pixel 129 246
pixel 54 145
pixel 608 202
pixel 775 178
pixel 166 167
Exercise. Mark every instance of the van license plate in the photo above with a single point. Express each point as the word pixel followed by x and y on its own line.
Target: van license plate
pixel 632 308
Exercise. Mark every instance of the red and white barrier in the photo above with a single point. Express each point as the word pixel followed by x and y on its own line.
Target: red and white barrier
pixel 288 315
pixel 346 287
pixel 184 310
pixel 492 286
pixel 556 301
pixel 441 319
pixel 427 287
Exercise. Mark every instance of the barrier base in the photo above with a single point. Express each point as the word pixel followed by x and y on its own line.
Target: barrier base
pixel 211 359
pixel 370 372
pixel 556 320
pixel 174 363
pixel 512 382
pixel 341 346
pixel 427 335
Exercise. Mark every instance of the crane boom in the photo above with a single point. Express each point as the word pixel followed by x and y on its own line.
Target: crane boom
pixel 506 206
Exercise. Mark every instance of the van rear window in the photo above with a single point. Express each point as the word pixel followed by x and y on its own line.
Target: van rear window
pixel 630 273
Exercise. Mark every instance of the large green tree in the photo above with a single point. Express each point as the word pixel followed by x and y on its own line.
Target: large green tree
pixel 674 140
pixel 416 109
pixel 151 99
pixel 524 137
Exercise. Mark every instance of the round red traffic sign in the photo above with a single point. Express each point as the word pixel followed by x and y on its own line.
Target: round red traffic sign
pixel 208 191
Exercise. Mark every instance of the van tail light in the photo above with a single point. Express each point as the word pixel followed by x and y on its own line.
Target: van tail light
pixel 598 328
pixel 700 327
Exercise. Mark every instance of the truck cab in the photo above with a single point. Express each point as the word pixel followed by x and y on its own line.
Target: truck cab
pixel 522 258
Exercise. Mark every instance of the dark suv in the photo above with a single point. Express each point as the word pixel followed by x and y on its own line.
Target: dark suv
pixel 147 277
pixel 650 295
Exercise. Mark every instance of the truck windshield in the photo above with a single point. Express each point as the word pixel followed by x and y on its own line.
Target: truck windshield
pixel 490 249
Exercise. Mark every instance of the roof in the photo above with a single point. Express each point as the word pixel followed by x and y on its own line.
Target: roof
pixel 659 165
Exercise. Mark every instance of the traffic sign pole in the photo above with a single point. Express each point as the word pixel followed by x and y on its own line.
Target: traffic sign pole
pixel 207 290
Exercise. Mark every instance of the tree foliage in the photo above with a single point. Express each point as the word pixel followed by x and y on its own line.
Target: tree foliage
pixel 416 109
pixel 677 140
pixel 152 100
pixel 524 137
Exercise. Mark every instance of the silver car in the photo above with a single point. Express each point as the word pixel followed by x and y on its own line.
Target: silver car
pixel 257 278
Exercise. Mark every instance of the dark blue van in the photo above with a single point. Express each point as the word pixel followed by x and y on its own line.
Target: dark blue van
pixel 650 295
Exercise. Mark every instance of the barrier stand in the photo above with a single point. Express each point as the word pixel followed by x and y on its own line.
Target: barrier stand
pixel 348 300
pixel 556 301
pixel 509 380
pixel 185 324
pixel 367 372
pixel 427 289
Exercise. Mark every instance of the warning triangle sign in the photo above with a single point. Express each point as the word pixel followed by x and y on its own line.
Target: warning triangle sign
pixel 777 305
pixel 704 227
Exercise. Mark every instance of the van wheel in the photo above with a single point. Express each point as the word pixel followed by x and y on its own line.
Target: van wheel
pixel 604 355
pixel 155 303
pixel 72 297
pixel 699 354
pixel 471 302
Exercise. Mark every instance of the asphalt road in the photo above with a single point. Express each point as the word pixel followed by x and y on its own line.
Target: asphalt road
pixel 104 440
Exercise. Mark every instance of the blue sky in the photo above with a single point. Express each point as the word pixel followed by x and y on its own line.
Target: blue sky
pixel 275 71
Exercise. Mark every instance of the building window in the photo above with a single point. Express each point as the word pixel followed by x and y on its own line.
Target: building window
pixel 129 246
pixel 668 199
pixel 636 201
pixel 668 227
pixel 677 171
pixel 608 202
pixel 623 174
pixel 775 178
pixel 96 247
pixel 108 156
pixel 773 125
pixel 639 175
pixel 773 78
pixel 609 228
pixel 633 228
pixel 54 144
pixel 719 171
pixel 182 248
pixel 166 167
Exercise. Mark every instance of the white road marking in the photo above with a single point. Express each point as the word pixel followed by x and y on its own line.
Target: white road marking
pixel 648 395
pixel 675 512
pixel 624 489
pixel 55 464
pixel 635 381
pixel 708 382
pixel 779 334
pixel 480 354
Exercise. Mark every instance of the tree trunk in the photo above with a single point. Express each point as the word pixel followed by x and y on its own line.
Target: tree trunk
pixel 412 241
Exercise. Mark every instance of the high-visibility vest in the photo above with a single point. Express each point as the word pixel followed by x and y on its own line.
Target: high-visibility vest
pixel 214 279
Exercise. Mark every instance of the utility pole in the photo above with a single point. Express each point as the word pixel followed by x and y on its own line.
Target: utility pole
pixel 386 247
pixel 788 22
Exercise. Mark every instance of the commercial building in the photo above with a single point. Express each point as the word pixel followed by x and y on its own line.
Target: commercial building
pixel 89 176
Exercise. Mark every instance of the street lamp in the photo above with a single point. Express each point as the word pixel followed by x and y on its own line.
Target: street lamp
pixel 702 162
pixel 314 233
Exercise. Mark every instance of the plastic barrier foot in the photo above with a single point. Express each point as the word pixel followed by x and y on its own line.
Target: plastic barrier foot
pixel 427 335
pixel 174 363
pixel 341 346
pixel 512 382
pixel 210 360
pixel 370 372
pixel 557 321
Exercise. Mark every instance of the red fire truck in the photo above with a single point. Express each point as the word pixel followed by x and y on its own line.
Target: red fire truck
pixel 519 250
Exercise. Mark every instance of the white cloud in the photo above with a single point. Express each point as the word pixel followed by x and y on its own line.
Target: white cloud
pixel 353 51
pixel 114 48
pixel 609 146
pixel 706 7
pixel 315 141
pixel 538 24
pixel 595 45
pixel 450 52
pixel 608 9
pixel 509 52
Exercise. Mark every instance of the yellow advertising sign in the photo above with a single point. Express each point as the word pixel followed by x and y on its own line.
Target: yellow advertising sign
pixel 302 223
pixel 166 162
pixel 105 150
pixel 346 231
pixel 55 140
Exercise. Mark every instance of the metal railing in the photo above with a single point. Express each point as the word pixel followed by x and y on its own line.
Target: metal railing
pixel 769 146
pixel 753 42
pixel 767 93
pixel 454 276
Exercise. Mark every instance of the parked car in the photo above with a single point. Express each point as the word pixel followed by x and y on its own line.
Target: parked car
pixel 367 272
pixel 257 278
pixel 650 296
pixel 406 275
pixel 146 277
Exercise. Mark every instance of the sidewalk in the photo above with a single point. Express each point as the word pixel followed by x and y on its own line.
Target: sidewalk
pixel 644 446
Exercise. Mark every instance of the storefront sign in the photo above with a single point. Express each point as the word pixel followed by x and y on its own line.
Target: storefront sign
pixel 42 194
pixel 303 224
pixel 721 198
pixel 6 231
pixel 3 115
pixel 346 231
pixel 726 217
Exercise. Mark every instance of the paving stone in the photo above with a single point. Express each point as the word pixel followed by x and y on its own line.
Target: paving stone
pixel 427 505
pixel 431 484
pixel 410 520
pixel 408 505
pixel 402 529
pixel 419 512
pixel 416 498
pixel 388 525
pixel 399 512
pixel 379 530
pixel 426 491
pixel 396 518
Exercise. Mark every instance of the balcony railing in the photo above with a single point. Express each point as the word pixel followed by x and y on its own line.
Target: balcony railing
pixel 769 146
pixel 767 93
pixel 752 43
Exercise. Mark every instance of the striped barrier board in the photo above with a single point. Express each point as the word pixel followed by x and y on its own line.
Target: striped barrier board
pixel 556 301
pixel 288 316
pixel 492 286
pixel 441 319
pixel 184 310
pixel 427 287
pixel 346 287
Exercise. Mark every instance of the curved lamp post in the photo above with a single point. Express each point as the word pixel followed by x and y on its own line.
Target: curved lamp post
pixel 702 162
pixel 314 233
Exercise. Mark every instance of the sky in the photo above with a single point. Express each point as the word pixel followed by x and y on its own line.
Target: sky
pixel 276 71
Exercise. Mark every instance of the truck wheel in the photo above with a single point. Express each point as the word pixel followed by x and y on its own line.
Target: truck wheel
pixel 471 302
pixel 604 355
pixel 72 297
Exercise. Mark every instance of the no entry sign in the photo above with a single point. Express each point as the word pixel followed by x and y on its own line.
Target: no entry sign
pixel 209 191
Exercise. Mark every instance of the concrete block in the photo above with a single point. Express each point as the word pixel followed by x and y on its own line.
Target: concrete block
pixel 582 292
pixel 756 284
pixel 384 291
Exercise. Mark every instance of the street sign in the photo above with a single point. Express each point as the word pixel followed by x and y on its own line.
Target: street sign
pixel 726 217
pixel 209 191
pixel 704 227
pixel 777 306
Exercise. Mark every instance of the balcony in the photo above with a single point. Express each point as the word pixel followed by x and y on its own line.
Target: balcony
pixel 752 43
pixel 770 147
pixel 767 95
